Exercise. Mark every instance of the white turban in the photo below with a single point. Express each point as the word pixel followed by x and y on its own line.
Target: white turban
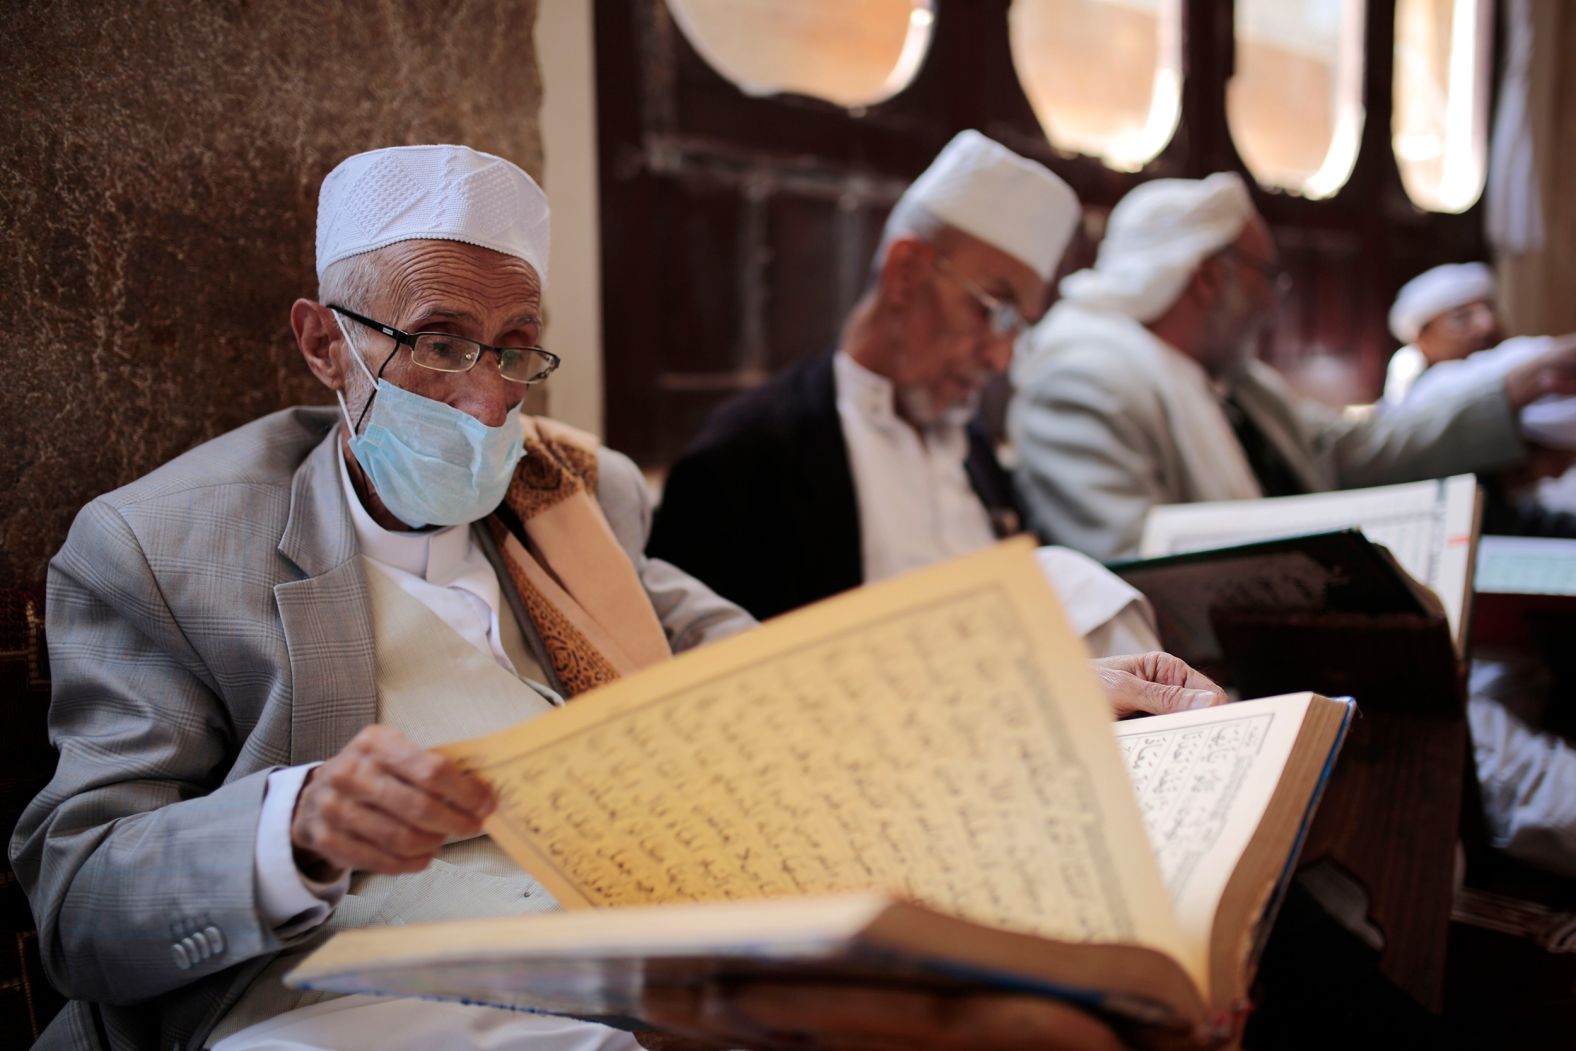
pixel 1433 292
pixel 418 193
pixel 1155 239
pixel 980 187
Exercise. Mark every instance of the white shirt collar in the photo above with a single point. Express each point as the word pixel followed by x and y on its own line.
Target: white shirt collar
pixel 869 394
pixel 434 555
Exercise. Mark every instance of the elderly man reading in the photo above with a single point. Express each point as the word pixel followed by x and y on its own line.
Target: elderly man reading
pixel 858 464
pixel 1140 387
pixel 254 646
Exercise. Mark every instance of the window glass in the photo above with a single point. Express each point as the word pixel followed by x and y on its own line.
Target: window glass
pixel 1104 76
pixel 854 53
pixel 1440 128
pixel 1295 103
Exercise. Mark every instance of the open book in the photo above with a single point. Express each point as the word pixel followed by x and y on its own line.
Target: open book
pixel 915 782
pixel 1430 527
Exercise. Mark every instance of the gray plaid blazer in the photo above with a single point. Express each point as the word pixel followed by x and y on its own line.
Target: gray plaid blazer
pixel 207 624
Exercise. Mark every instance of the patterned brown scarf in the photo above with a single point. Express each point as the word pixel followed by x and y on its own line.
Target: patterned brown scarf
pixel 578 586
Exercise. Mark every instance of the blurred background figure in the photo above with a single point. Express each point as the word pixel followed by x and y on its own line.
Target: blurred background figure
pixel 1142 385
pixel 1443 314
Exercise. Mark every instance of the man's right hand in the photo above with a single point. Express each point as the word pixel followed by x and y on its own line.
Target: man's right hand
pixel 383 804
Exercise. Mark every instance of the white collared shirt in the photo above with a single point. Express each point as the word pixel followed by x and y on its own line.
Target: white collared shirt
pixel 916 506
pixel 444 569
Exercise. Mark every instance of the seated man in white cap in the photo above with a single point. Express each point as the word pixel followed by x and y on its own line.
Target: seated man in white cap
pixel 1447 317
pixel 1140 388
pixel 856 465
pixel 1443 314
pixel 254 646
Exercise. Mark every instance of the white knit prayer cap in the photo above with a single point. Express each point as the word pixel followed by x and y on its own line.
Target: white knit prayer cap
pixel 981 188
pixel 1435 291
pixel 418 193
pixel 1156 238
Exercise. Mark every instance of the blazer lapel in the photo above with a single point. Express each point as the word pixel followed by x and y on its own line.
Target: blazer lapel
pixel 522 616
pixel 991 484
pixel 327 615
pixel 826 511
pixel 1275 420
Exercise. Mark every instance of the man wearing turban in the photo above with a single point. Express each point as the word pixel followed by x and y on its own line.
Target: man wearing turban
pixel 1140 388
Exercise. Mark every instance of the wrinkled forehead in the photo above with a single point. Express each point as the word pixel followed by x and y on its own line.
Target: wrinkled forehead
pixel 439 275
pixel 998 272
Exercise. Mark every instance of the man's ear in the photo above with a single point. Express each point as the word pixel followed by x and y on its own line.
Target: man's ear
pixel 1208 280
pixel 316 333
pixel 904 268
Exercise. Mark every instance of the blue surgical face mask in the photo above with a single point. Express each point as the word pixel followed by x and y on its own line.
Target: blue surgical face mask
pixel 431 463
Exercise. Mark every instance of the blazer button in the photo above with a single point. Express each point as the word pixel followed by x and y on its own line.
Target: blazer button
pixel 183 961
pixel 215 940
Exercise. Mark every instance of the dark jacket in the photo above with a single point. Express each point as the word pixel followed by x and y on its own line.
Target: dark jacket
pixel 762 508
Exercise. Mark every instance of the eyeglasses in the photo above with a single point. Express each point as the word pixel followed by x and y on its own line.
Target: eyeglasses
pixel 1467 317
pixel 1270 269
pixel 441 352
pixel 1002 316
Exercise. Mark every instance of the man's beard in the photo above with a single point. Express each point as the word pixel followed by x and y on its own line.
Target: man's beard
pixel 1233 336
pixel 919 407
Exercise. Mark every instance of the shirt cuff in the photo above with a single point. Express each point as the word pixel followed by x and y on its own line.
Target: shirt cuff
pixel 289 902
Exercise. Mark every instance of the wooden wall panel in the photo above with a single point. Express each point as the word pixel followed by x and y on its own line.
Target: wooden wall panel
pixel 159 170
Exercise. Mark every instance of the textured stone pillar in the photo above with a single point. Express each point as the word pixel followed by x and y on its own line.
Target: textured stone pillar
pixel 159 164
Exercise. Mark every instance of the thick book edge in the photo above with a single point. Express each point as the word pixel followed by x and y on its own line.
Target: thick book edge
pixel 1259 931
pixel 597 962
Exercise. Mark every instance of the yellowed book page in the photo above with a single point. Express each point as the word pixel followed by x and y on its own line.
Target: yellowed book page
pixel 1203 780
pixel 939 736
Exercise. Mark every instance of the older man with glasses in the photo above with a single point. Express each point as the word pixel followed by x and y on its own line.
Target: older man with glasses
pixel 1140 387
pixel 863 462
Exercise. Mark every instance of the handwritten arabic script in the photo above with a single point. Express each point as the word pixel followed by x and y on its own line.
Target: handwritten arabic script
pixel 923 753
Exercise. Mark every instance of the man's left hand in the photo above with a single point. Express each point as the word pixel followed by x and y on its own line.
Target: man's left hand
pixel 1154 683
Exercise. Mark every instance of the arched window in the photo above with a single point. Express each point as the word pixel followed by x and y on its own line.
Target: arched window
pixel 1440 130
pixel 1295 103
pixel 854 53
pixel 1104 76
